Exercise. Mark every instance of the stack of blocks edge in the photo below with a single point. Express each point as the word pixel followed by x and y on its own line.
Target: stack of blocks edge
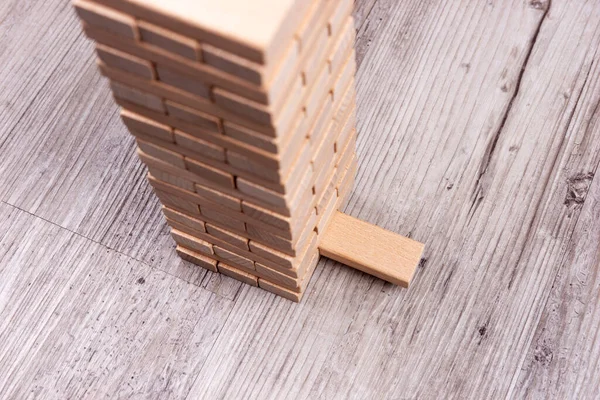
pixel 244 114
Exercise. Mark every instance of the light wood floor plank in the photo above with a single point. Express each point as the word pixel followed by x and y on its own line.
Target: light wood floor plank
pixel 80 321
pixel 563 357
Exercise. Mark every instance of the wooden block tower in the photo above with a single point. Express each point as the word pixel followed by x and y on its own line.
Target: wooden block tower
pixel 244 114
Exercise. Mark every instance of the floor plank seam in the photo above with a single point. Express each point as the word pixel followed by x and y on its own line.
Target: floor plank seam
pixel 487 156
pixel 113 249
pixel 366 18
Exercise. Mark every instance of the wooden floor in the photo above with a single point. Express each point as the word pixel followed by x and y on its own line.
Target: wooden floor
pixel 479 134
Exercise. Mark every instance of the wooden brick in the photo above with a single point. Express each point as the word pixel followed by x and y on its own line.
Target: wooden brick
pixel 169 40
pixel 107 18
pixel 261 193
pixel 307 28
pixel 325 217
pixel 222 219
pixel 172 201
pixel 138 123
pixel 197 258
pixel 285 261
pixel 184 219
pixel 351 242
pixel 277 277
pixel 232 238
pixel 345 42
pixel 341 14
pixel 341 83
pixel 234 259
pixel 182 81
pixel 279 290
pixel 210 173
pixel 250 166
pixel 260 113
pixel 192 242
pixel 161 153
pixel 318 129
pixel 219 197
pixel 171 179
pixel 346 184
pixel 318 54
pixel 313 261
pixel 218 23
pixel 286 246
pixel 126 62
pixel 199 146
pixel 138 97
pixel 202 120
pixel 250 137
pixel 237 274
pixel 232 64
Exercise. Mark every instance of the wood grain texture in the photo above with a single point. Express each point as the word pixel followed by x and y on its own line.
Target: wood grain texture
pixel 370 249
pixel 80 321
pixel 477 135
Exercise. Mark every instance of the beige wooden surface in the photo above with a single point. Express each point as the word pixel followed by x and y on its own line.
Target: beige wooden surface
pixel 478 135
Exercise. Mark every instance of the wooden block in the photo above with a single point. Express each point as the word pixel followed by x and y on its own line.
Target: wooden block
pixel 336 22
pixel 138 123
pixel 232 25
pixel 318 129
pixel 184 219
pixel 371 249
pixel 279 116
pixel 323 198
pixel 219 197
pixel 210 173
pixel 202 120
pixel 344 42
pixel 126 62
pixel 197 258
pixel 250 137
pixel 315 14
pixel 161 153
pixel 182 81
pixel 222 219
pixel 328 213
pixel 171 179
pixel 107 18
pixel 192 242
pixel 169 40
pixel 344 188
pixel 305 199
pixel 279 290
pixel 344 77
pixel 234 259
pixel 288 228
pixel 199 146
pixel 237 274
pixel 138 97
pixel 232 64
pixel 315 60
pixel 199 71
pixel 228 246
pixel 286 246
pixel 177 203
pixel 310 269
pixel 286 264
pixel 277 277
pixel 230 237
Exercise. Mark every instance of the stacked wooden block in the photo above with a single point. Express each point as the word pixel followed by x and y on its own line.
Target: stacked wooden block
pixel 244 114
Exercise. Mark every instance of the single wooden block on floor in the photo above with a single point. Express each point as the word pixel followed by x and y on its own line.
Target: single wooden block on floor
pixel 371 249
